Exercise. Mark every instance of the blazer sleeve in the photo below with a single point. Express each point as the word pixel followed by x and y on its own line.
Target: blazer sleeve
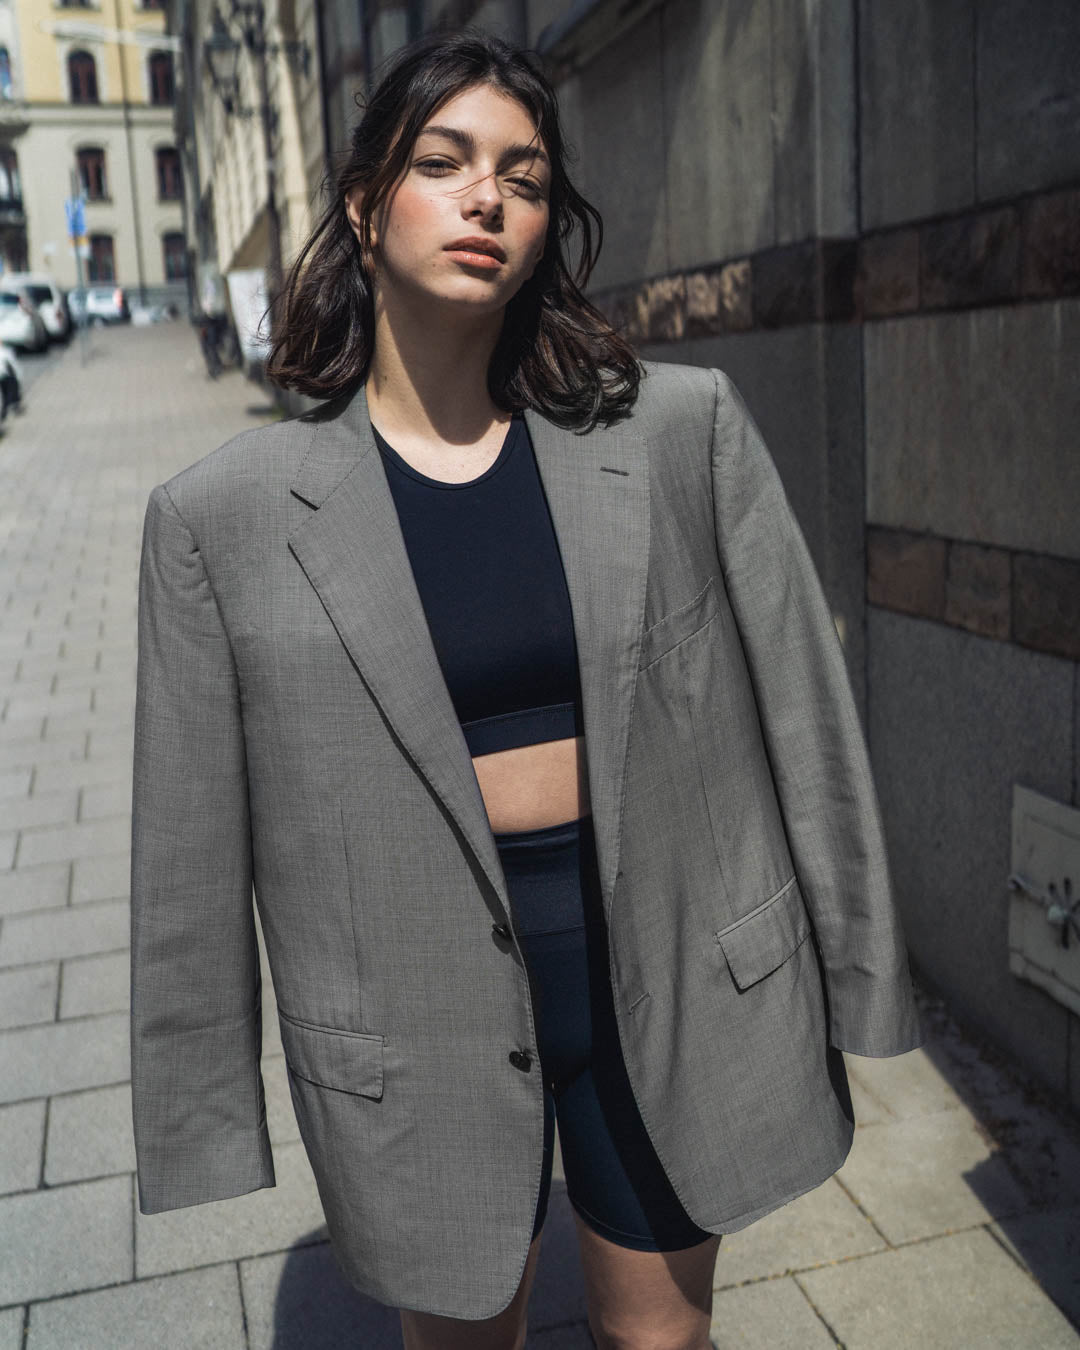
pixel 814 740
pixel 197 1091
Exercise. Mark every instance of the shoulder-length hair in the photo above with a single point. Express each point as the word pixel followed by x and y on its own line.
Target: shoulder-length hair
pixel 556 352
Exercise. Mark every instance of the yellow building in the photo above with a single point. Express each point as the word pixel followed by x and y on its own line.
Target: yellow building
pixel 98 83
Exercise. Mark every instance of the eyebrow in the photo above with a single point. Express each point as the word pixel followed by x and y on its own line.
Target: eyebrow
pixel 466 141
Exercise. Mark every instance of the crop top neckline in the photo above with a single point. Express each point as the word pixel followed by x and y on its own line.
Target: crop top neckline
pixel 513 431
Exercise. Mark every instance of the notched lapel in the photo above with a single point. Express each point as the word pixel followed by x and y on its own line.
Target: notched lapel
pixel 597 487
pixel 352 551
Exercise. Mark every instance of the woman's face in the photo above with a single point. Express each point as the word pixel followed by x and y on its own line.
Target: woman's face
pixel 466 224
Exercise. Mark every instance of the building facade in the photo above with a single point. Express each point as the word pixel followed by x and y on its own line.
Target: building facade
pixel 97 83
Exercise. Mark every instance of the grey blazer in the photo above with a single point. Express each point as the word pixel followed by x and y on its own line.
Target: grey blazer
pixel 293 731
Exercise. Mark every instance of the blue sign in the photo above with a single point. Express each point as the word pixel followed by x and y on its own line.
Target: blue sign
pixel 75 209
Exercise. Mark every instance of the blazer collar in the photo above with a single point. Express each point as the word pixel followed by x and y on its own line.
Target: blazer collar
pixel 353 553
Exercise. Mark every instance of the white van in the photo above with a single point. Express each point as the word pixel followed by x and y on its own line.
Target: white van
pixel 48 298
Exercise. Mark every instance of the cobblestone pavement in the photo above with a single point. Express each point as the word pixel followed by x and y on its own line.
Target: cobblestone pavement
pixel 955 1222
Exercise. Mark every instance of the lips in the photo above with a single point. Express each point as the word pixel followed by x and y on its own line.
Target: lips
pixel 477 244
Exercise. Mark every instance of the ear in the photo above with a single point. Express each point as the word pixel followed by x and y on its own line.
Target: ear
pixel 353 202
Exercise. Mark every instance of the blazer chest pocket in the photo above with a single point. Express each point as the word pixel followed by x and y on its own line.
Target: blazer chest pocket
pixel 348 1061
pixel 679 625
pixel 762 940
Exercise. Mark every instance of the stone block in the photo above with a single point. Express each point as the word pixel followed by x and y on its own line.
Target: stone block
pixel 971 425
pixel 53 934
pixel 622 129
pixel 1047 1245
pixel 280 1116
pixel 11 1329
pixel 978 589
pixel 917 114
pixel 770 1315
pixel 821 1226
pixel 264 1221
pixel 111 723
pixel 46 705
pixel 802 283
pixel 107 877
pixel 63 1057
pixel 887 274
pixel 960 1290
pixel 1050 248
pixel 101 800
pixel 199 1310
pixel 955 720
pixel 908 1086
pixel 28 995
pixel 7 851
pixel 971 260
pixel 1027 97
pixel 14 782
pixel 72 1238
pixel 1046 604
pixel 905 571
pixel 96 984
pixel 111 768
pixel 26 752
pixel 90 1135
pixel 22 1141
pixel 52 808
pixel 717 144
pixel 35 888
pixel 718 300
pixel 918 1177
pixel 83 840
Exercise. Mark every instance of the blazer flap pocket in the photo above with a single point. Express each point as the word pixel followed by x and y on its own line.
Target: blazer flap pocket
pixel 764 939
pixel 677 626
pixel 349 1061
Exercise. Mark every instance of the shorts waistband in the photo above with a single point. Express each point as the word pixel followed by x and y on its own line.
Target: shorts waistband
pixel 567 834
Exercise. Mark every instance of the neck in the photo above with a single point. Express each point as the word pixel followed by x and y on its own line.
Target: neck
pixel 429 374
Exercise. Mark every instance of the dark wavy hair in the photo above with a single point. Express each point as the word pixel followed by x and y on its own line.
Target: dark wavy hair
pixel 556 352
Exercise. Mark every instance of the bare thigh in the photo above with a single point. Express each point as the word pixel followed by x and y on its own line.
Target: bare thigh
pixel 647 1299
pixel 504 1331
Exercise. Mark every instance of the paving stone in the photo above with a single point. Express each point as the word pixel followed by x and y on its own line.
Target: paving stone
pixel 64 1056
pixel 100 800
pixel 11 1325
pixel 89 1135
pixel 300 1299
pixel 95 984
pixel 769 1315
pixel 960 1290
pixel 106 877
pixel 52 808
pixel 906 1085
pixel 34 888
pixel 109 723
pixel 1048 1246
pixel 52 934
pixel 821 1226
pixel 280 1116
pixel 7 851
pixel 22 1138
pixel 51 844
pixel 224 1230
pixel 46 705
pixel 919 1177
pixel 71 1238
pixel 868 1110
pixel 199 1310
pixel 14 782
pixel 28 995
pixel 110 768
pixel 28 752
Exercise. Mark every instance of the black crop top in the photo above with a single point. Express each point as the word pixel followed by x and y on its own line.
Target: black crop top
pixel 487 567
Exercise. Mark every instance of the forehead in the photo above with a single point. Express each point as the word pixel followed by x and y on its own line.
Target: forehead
pixel 487 114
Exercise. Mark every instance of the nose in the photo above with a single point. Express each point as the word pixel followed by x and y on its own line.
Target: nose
pixel 483 201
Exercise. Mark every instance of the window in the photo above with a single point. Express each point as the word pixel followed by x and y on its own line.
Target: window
pixel 10 187
pixel 102 264
pixel 169 182
pixel 174 249
pixel 91 162
pixel 161 78
pixel 7 89
pixel 82 77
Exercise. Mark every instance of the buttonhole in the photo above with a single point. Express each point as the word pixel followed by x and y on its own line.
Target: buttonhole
pixel 623 473
pixel 638 1000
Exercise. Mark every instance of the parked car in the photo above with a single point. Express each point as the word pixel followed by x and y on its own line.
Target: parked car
pixel 100 304
pixel 21 325
pixel 48 297
pixel 11 381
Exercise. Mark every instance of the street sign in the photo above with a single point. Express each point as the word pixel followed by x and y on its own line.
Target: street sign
pixel 75 210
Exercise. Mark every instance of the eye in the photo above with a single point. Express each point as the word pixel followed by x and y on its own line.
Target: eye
pixel 435 167
pixel 527 187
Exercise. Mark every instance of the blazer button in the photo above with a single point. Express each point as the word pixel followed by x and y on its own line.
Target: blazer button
pixel 502 930
pixel 520 1059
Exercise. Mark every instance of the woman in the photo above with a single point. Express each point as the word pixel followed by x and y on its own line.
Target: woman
pixel 507 679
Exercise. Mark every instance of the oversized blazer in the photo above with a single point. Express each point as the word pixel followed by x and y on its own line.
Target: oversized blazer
pixel 293 732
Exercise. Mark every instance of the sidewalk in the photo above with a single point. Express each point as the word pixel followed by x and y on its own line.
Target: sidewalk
pixel 954 1223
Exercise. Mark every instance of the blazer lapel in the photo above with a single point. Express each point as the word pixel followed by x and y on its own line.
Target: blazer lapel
pixel 597 487
pixel 353 553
